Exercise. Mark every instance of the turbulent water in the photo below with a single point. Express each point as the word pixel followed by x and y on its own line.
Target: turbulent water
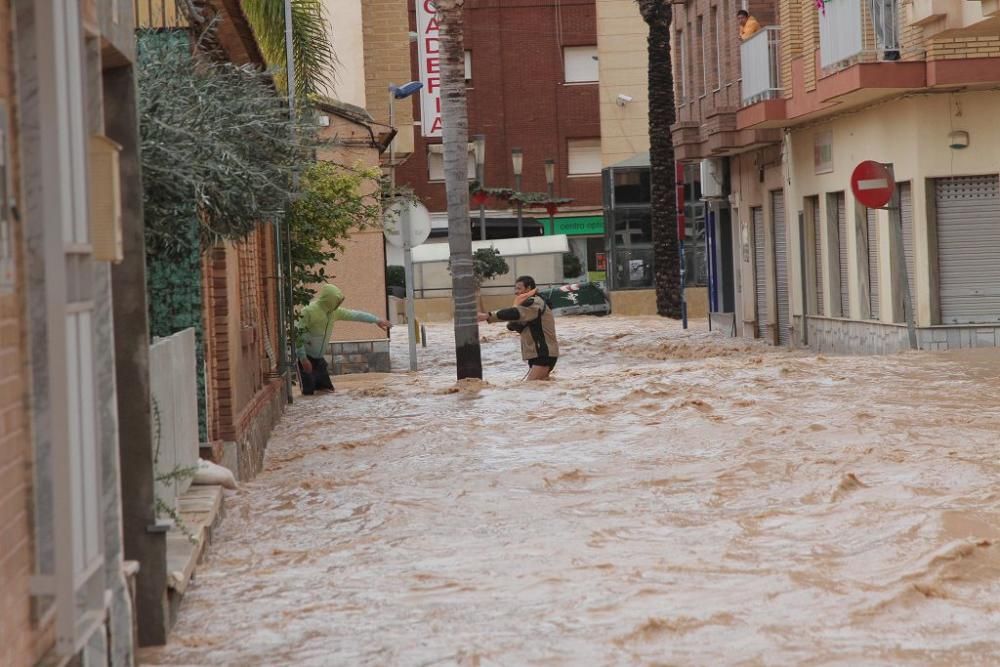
pixel 670 497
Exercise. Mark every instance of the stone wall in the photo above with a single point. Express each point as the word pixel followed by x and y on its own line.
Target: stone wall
pixel 362 356
pixel 839 336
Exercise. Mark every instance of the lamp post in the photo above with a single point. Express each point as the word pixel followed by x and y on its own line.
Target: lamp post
pixel 550 179
pixel 517 156
pixel 401 93
pixel 479 141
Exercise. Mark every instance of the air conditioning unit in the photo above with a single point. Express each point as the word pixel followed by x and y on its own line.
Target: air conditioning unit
pixel 712 178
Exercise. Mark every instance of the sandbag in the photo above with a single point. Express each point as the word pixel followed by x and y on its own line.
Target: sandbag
pixel 209 473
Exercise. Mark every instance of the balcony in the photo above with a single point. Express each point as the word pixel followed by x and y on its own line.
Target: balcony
pixel 853 31
pixel 759 67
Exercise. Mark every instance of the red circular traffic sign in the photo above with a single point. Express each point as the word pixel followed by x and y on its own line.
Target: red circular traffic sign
pixel 872 184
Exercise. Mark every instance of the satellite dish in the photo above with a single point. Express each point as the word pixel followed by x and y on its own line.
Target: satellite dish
pixel 419 218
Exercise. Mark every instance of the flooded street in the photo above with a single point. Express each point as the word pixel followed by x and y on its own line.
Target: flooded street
pixel 670 497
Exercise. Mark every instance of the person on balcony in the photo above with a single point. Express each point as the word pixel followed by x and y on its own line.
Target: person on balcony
pixel 314 326
pixel 748 24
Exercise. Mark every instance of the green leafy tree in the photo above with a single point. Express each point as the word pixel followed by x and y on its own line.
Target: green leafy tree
pixel 312 50
pixel 218 146
pixel 333 202
pixel 572 267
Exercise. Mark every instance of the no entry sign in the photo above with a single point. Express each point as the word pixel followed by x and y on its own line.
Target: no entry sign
pixel 872 184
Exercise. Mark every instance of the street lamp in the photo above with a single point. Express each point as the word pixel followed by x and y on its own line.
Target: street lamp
pixel 479 141
pixel 517 156
pixel 550 179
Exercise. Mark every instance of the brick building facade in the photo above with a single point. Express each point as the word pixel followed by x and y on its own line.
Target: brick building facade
pixel 519 96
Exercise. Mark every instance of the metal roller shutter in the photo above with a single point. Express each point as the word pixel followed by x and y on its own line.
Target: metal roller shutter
pixel 781 265
pixel 906 215
pixel 760 271
pixel 968 226
pixel 845 308
pixel 873 277
pixel 818 227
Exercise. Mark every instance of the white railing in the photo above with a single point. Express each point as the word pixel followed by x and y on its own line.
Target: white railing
pixel 850 30
pixel 174 387
pixel 759 66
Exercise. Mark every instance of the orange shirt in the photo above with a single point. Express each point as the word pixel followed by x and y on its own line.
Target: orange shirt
pixel 749 28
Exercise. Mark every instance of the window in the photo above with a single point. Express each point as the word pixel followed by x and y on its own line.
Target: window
pixel 435 162
pixel 717 23
pixel 682 79
pixel 580 63
pixel 584 157
pixel 704 54
pixel 468 67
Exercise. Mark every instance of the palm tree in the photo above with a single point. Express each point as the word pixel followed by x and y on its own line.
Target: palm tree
pixel 455 128
pixel 312 50
pixel 666 259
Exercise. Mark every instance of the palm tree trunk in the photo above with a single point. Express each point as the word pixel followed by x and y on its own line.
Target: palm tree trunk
pixel 666 258
pixel 455 128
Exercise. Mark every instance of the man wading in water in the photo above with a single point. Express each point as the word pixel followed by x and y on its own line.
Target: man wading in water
pixel 532 318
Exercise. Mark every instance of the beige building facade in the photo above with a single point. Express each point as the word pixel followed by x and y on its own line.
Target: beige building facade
pixel 895 83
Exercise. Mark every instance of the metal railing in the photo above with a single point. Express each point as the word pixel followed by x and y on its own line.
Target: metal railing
pixel 858 30
pixel 159 14
pixel 174 388
pixel 759 66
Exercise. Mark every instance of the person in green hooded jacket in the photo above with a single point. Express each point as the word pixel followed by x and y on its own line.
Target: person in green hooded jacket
pixel 315 324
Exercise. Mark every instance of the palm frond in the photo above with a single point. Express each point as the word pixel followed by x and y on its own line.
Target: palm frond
pixel 312 48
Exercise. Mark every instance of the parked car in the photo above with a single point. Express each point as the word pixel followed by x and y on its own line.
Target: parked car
pixel 577 299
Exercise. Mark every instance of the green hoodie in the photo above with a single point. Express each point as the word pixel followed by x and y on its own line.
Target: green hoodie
pixel 316 321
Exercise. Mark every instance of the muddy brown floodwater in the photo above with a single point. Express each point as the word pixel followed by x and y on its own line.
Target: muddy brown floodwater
pixel 670 497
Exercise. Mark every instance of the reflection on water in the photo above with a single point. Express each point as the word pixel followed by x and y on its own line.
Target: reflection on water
pixel 671 497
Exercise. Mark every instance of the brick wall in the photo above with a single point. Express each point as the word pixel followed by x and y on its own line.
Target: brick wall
pixel 518 99
pixel 17 634
pixel 387 57
pixel 953 48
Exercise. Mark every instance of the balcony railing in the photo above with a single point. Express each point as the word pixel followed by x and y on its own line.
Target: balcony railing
pixel 858 31
pixel 759 66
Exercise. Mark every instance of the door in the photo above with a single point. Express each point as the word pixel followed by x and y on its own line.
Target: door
pixel 818 236
pixel 873 277
pixel 760 271
pixel 845 306
pixel 781 266
pixel 968 226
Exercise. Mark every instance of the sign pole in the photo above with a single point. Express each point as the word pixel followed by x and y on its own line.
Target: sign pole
pixel 411 321
pixel 896 231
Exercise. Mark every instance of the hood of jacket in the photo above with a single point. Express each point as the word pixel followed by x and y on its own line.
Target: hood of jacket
pixel 329 298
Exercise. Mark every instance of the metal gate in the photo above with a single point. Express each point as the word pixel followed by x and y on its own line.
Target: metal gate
pixel 818 231
pixel 873 255
pixel 845 307
pixel 968 226
pixel 906 215
pixel 781 265
pixel 760 271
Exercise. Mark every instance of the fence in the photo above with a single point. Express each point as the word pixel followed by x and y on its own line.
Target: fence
pixel 159 14
pixel 174 386
pixel 858 30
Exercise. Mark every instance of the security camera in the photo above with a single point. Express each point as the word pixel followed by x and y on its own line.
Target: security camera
pixel 624 99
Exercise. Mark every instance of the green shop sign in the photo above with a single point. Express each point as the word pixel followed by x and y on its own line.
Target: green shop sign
pixel 590 225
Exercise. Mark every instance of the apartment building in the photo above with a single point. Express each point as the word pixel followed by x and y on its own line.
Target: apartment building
pixel 532 84
pixel 821 89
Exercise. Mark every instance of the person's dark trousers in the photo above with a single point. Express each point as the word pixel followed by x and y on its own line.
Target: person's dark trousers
pixel 318 379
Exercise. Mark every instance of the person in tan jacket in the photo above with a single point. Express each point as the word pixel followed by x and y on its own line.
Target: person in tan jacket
pixel 531 317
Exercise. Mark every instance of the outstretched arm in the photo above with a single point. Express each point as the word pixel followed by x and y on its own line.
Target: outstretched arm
pixel 361 316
